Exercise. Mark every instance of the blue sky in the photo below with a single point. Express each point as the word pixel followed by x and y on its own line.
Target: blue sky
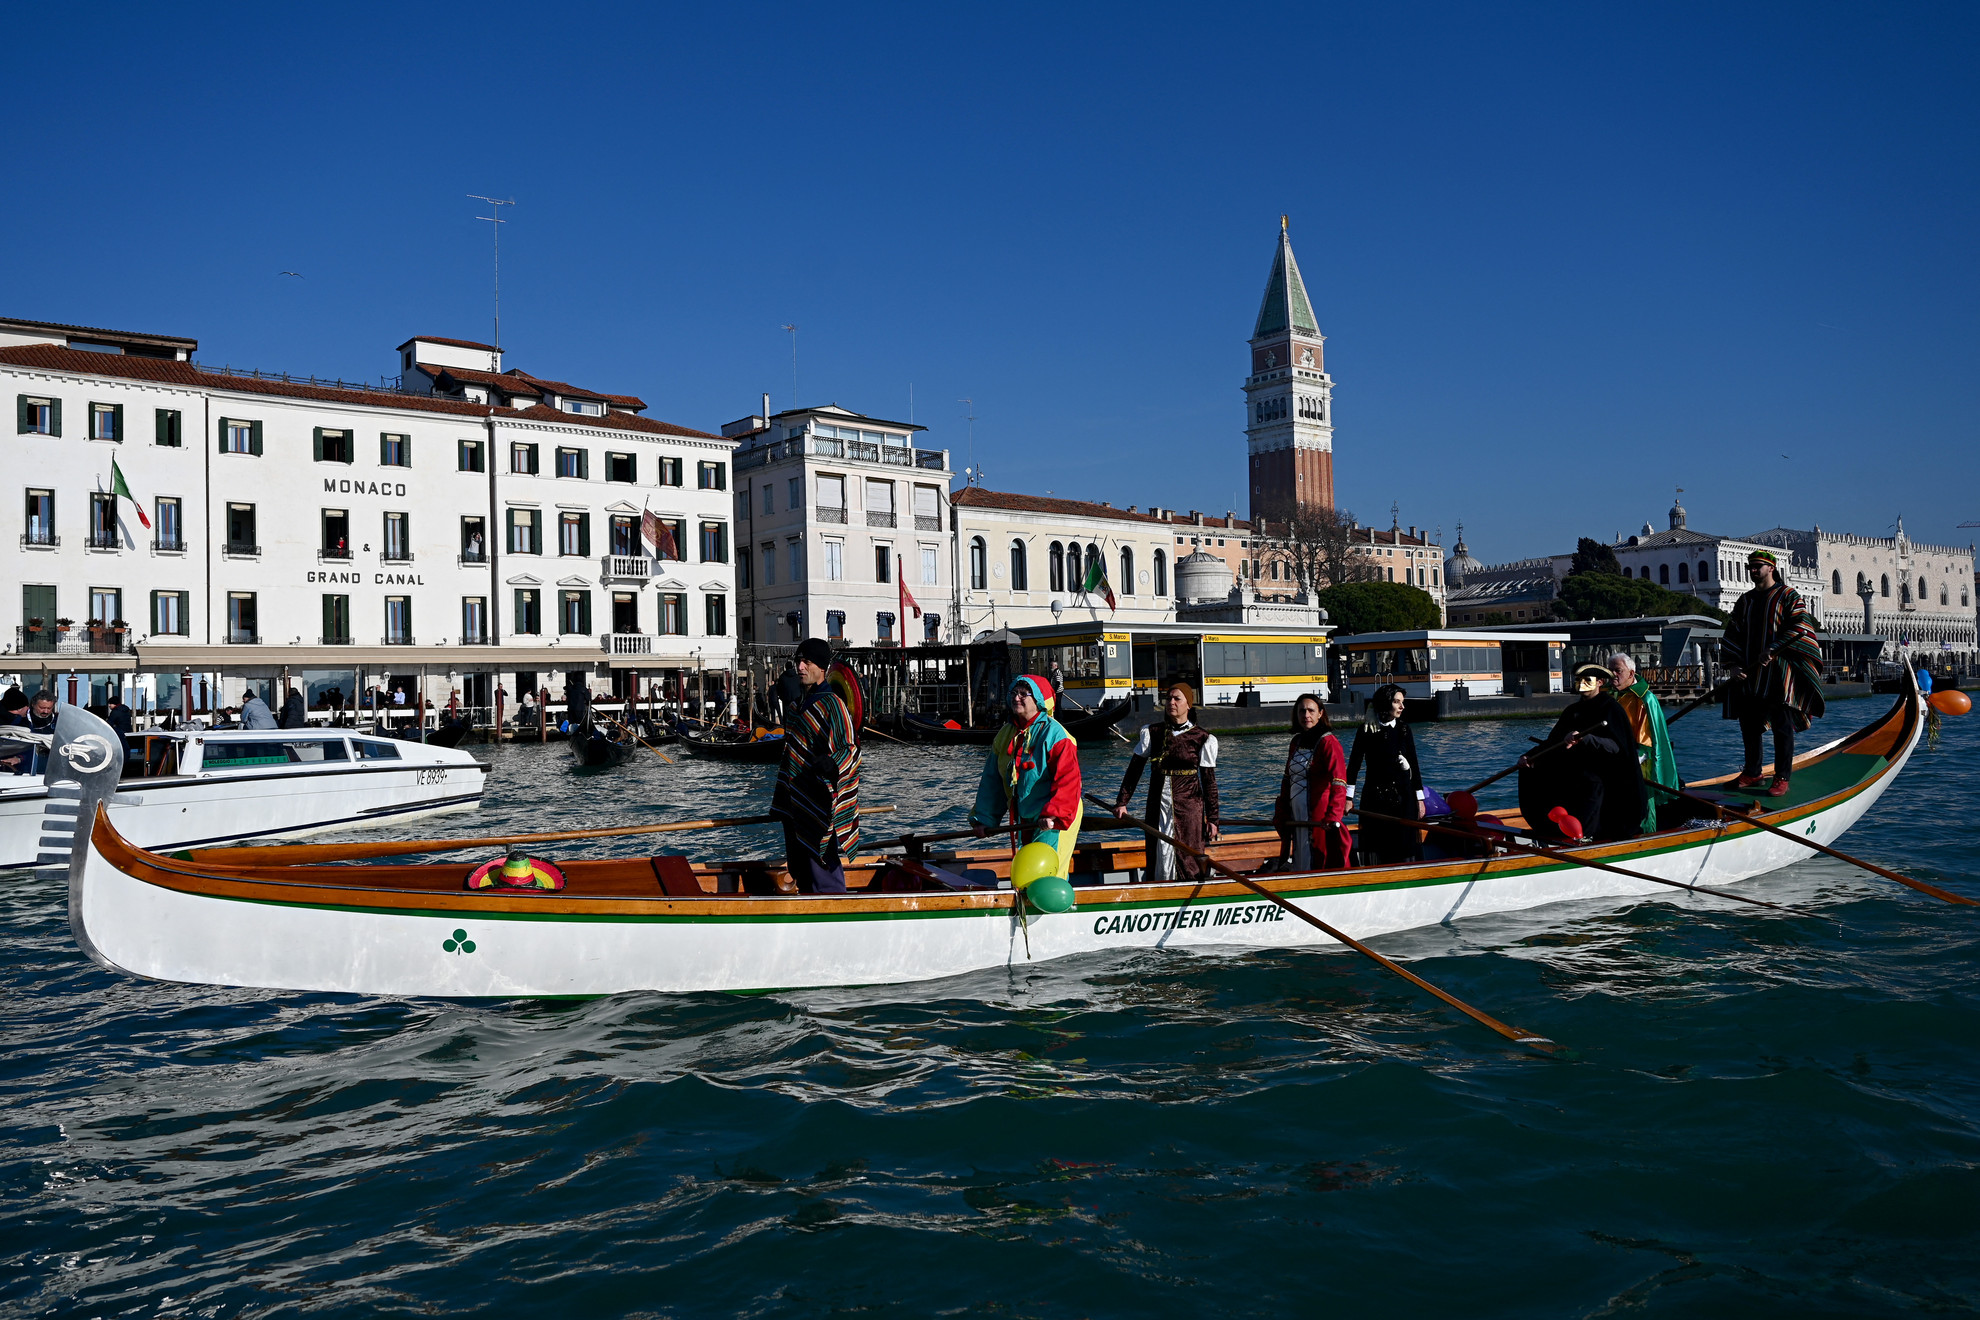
pixel 1566 259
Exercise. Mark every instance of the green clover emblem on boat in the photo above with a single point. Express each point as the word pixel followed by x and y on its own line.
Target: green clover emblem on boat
pixel 459 944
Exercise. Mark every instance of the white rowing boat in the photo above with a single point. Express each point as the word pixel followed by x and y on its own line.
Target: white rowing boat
pixel 194 788
pixel 272 917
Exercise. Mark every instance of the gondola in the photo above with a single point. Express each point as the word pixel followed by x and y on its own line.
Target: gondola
pixel 601 743
pixel 307 918
pixel 758 751
pixel 449 735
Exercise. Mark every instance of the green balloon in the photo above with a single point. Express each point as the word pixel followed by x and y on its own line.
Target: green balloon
pixel 1053 893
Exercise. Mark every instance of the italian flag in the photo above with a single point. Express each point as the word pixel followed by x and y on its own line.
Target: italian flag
pixel 1096 580
pixel 122 490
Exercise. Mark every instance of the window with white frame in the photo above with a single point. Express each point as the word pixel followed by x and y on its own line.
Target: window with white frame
pixel 931 566
pixel 835 560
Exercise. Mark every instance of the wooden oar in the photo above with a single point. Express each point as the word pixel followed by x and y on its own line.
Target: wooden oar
pixel 1553 854
pixel 1723 812
pixel 1511 1033
pixel 305 854
pixel 630 733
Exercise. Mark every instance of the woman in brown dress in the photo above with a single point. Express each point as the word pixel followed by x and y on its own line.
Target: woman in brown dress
pixel 1182 793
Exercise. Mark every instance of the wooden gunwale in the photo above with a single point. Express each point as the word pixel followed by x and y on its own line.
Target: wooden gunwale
pixel 333 887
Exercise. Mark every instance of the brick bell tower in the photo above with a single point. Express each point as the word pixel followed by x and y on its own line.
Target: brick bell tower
pixel 1288 397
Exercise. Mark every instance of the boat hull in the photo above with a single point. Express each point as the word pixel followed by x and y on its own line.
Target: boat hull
pixel 312 928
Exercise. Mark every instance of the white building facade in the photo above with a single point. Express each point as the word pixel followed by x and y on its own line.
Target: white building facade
pixel 1022 561
pixel 845 520
pixel 1919 596
pixel 487 529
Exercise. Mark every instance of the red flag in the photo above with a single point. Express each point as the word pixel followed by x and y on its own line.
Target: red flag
pixel 660 535
pixel 908 602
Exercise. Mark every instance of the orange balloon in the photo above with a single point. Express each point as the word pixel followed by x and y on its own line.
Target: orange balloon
pixel 1951 701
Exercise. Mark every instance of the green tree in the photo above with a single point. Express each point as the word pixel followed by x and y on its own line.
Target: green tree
pixel 1603 595
pixel 1591 556
pixel 1363 607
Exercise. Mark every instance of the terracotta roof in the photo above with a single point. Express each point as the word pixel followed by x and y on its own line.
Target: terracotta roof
pixel 979 498
pixel 559 387
pixel 613 421
pixel 506 382
pixel 49 357
pixel 176 341
pixel 456 343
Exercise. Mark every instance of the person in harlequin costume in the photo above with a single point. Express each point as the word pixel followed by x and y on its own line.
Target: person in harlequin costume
pixel 1031 782
pixel 1182 793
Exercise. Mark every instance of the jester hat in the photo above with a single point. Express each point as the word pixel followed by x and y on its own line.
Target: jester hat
pixel 1041 692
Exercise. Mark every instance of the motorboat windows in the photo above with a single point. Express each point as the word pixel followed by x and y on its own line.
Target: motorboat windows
pixel 369 750
pixel 226 754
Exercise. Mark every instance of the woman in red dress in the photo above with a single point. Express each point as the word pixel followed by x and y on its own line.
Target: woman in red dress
pixel 1312 794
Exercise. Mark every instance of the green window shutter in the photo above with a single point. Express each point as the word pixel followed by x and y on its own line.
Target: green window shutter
pixel 584 465
pixel 154 611
pixel 117 422
pixel 223 435
pixel 55 417
pixel 21 413
pixel 405 451
pixel 584 533
pixel 254 439
pixel 381 448
pixel 319 443
pixel 161 427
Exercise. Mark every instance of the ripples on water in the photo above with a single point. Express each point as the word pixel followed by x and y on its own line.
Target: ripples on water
pixel 1772 1115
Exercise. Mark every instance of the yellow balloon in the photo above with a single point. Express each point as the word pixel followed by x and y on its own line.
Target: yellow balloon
pixel 1034 861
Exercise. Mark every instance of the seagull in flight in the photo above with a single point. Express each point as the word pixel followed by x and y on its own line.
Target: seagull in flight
pixel 297 274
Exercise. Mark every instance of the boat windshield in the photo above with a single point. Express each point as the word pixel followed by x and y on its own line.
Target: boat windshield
pixel 368 750
pixel 223 755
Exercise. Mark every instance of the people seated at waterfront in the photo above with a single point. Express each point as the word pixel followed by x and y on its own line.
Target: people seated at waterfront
pixel 1313 799
pixel 1031 783
pixel 526 711
pixel 1182 793
pixel 1775 665
pixel 1394 788
pixel 1587 767
pixel 1645 714
pixel 817 793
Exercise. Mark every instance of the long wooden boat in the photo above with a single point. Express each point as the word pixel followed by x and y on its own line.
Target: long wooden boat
pixel 272 917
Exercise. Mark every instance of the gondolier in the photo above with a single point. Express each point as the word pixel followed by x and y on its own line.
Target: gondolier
pixel 1031 781
pixel 1771 653
pixel 817 795
pixel 1182 793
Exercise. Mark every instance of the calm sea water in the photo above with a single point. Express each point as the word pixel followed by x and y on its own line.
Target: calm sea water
pixel 1770 1115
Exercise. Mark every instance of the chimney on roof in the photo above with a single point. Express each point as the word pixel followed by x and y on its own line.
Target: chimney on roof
pixel 1133 509
pixel 1230 517
pixel 766 407
pixel 1198 517
pixel 1106 504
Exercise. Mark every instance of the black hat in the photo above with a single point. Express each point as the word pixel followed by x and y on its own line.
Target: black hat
pixel 817 650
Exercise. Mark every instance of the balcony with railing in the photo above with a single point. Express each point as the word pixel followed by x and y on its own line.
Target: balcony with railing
pixel 481 639
pixel 168 545
pixel 828 514
pixel 40 537
pixel 879 517
pixel 340 554
pixel 241 550
pixel 395 555
pixel 399 639
pixel 627 643
pixel 925 522
pixel 105 540
pixel 859 451
pixel 625 568
pixel 53 639
pixel 472 556
pixel 241 637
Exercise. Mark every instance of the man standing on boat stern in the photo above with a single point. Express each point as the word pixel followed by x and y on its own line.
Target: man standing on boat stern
pixel 1774 665
pixel 1645 714
pixel 1031 780
pixel 817 796
pixel 1182 794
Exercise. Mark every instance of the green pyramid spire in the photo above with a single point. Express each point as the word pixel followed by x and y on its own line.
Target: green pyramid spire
pixel 1286 305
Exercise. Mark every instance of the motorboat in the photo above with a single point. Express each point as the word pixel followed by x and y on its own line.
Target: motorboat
pixel 191 787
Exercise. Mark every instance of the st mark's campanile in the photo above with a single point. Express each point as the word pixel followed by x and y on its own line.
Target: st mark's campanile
pixel 1288 395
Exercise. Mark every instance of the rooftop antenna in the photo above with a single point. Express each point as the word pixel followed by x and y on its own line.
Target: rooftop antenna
pixel 496 204
pixel 975 472
pixel 910 403
pixel 792 331
pixel 1395 515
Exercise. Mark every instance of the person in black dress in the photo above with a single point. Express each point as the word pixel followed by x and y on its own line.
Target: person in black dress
pixel 1395 781
pixel 1592 769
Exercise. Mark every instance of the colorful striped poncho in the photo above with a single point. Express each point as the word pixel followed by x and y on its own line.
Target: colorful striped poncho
pixel 818 781
pixel 1771 636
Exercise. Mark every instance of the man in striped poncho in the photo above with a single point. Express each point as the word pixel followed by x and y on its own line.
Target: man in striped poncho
pixel 1771 653
pixel 817 796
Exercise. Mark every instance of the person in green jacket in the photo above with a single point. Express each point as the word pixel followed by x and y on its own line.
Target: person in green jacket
pixel 1653 736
